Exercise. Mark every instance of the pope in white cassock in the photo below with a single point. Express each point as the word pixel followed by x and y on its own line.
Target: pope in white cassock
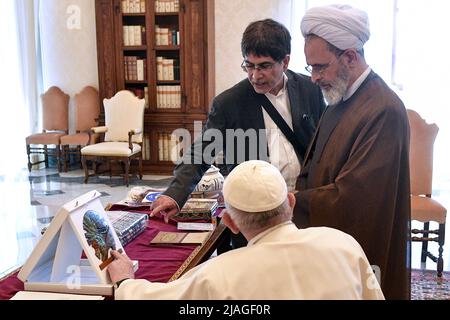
pixel 280 260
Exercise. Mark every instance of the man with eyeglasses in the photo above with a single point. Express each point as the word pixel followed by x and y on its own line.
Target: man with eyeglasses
pixel 266 48
pixel 356 171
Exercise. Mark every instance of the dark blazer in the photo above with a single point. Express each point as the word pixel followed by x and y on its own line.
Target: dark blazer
pixel 239 108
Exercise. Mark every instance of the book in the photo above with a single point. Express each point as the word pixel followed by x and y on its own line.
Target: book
pixel 151 196
pixel 196 208
pixel 32 295
pixel 128 225
pixel 136 196
pixel 197 226
pixel 183 238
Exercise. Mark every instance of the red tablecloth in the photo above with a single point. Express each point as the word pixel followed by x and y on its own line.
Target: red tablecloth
pixel 156 263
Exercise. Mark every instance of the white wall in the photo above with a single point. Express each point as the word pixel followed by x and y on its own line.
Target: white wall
pixel 69 49
pixel 231 19
pixel 70 54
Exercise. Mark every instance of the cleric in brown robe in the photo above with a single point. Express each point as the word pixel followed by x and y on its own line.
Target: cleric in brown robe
pixel 356 173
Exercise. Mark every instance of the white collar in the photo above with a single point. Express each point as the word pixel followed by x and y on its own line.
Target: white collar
pixel 261 235
pixel 283 89
pixel 356 84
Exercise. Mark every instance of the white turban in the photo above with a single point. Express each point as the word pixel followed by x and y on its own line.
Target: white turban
pixel 343 26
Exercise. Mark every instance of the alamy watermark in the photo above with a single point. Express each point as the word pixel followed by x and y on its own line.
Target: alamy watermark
pixel 374 279
pixel 235 145
pixel 74 20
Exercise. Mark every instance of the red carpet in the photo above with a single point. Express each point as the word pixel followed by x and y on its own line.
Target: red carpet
pixel 425 285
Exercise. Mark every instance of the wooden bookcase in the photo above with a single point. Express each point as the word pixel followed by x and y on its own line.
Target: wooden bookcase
pixel 179 92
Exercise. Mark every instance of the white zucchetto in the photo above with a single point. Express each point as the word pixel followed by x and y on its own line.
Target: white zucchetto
pixel 255 186
pixel 343 26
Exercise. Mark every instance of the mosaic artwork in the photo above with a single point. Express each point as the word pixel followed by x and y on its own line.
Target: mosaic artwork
pixel 98 234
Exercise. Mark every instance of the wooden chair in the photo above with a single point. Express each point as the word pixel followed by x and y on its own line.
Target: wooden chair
pixel 87 111
pixel 423 207
pixel 124 118
pixel 55 113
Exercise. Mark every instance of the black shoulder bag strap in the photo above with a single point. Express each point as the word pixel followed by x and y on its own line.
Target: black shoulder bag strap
pixel 279 121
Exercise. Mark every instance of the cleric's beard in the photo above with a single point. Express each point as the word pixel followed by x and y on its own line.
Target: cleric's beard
pixel 339 87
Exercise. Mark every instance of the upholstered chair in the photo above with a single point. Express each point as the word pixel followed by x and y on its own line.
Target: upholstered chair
pixel 124 118
pixel 87 111
pixel 55 113
pixel 424 208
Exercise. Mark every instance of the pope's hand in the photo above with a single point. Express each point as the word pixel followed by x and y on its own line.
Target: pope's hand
pixel 165 207
pixel 121 267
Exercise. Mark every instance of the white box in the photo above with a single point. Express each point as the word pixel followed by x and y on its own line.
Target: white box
pixel 56 263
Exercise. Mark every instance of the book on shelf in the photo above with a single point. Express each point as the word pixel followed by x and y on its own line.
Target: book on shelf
pixel 183 238
pixel 128 225
pixel 147 147
pixel 133 6
pixel 168 97
pixel 167 6
pixel 135 68
pixel 167 69
pixel 134 35
pixel 167 36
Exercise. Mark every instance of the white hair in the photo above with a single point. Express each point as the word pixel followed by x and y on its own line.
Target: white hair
pixel 257 220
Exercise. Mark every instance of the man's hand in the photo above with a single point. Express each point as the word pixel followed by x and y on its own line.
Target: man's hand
pixel 165 207
pixel 121 268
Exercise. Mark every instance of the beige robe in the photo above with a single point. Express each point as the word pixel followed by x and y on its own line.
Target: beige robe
pixel 356 179
pixel 283 263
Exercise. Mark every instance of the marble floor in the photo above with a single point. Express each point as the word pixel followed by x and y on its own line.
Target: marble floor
pixel 28 201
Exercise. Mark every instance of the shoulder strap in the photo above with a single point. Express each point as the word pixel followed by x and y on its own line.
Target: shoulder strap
pixel 279 121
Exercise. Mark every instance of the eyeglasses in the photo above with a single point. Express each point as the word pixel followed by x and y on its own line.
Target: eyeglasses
pixel 250 67
pixel 321 68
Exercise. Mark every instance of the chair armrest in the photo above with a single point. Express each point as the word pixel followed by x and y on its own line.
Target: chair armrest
pixel 131 133
pixel 99 129
pixel 135 131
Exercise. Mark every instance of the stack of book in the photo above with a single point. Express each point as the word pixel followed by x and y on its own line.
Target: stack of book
pixel 135 68
pixel 133 6
pixel 197 209
pixel 128 225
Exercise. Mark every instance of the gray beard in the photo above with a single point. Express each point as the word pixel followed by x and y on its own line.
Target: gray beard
pixel 338 88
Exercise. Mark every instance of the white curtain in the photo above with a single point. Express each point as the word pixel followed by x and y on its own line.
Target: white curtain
pixel 422 69
pixel 408 48
pixel 378 49
pixel 18 82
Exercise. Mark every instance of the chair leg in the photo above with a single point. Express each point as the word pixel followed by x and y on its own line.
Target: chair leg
pixel 64 156
pixel 441 239
pixel 440 262
pixel 140 168
pixel 46 156
pixel 79 155
pixel 86 171
pixel 127 171
pixel 58 157
pixel 29 159
pixel 426 227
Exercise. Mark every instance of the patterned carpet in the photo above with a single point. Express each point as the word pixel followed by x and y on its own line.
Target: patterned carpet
pixel 425 285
